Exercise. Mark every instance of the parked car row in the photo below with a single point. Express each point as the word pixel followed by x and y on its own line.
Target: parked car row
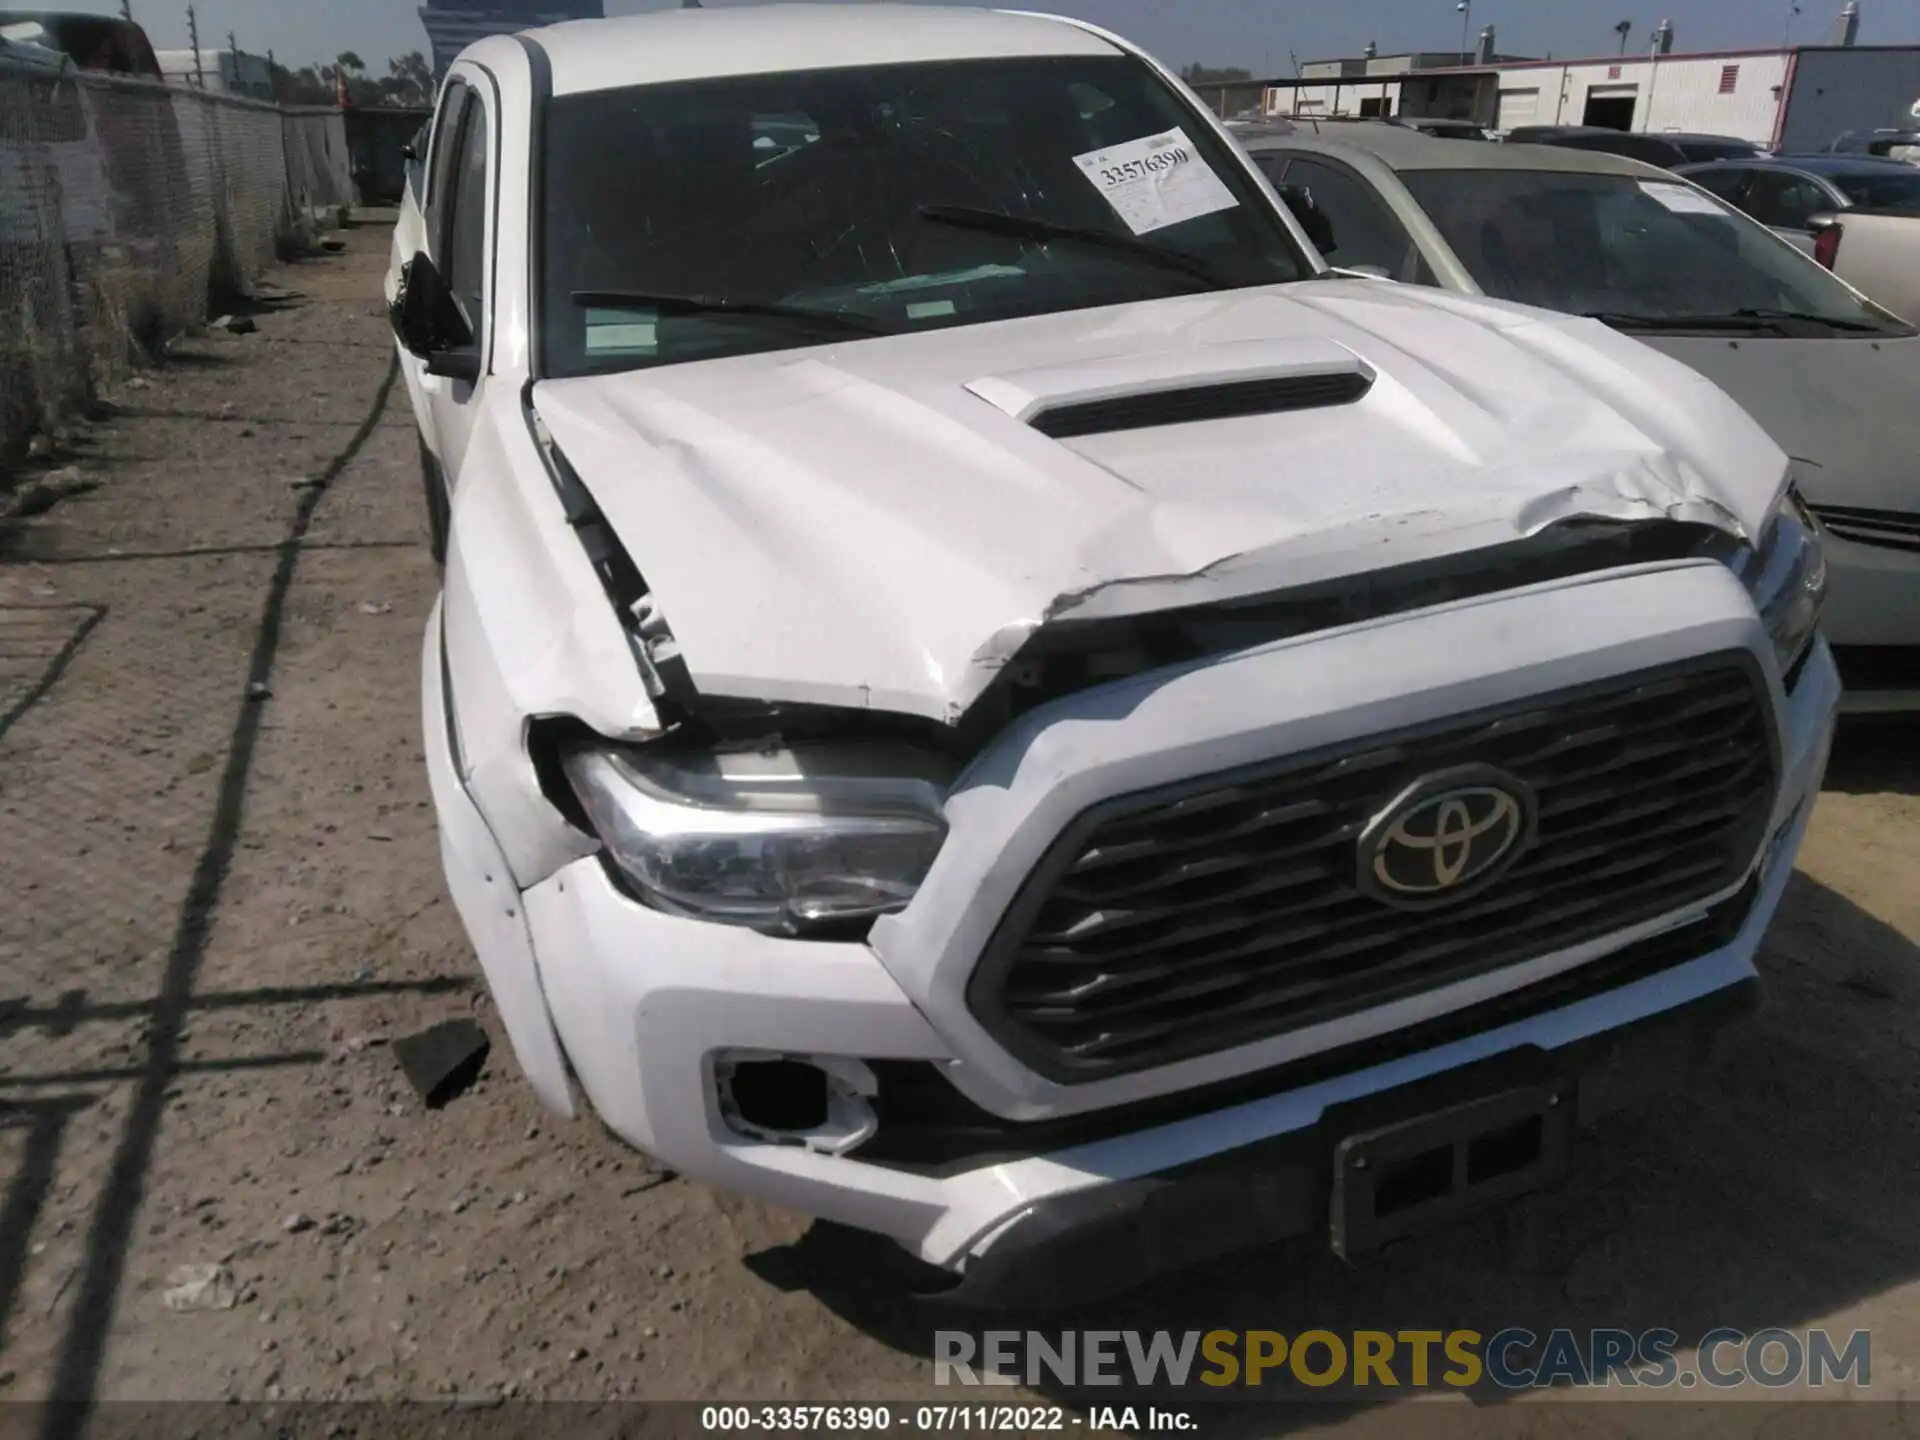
pixel 1670 150
pixel 982 691
pixel 1791 194
pixel 1666 150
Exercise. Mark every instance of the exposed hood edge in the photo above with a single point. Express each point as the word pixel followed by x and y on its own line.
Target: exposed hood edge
pixel 919 659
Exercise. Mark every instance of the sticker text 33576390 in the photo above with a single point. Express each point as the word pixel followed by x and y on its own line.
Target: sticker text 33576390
pixel 1155 182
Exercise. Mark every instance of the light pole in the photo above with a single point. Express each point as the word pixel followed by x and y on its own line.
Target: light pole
pixel 1465 7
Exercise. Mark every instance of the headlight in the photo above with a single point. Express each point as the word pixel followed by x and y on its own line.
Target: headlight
pixel 1787 577
pixel 779 840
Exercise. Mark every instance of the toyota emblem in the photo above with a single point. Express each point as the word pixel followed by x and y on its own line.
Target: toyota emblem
pixel 1445 837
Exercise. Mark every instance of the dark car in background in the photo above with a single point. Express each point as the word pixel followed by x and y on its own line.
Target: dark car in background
pixel 1700 149
pixel 105 43
pixel 1790 193
pixel 1902 145
pixel 1649 149
pixel 131 130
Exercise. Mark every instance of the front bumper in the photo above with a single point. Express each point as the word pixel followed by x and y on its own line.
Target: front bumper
pixel 642 1002
pixel 1085 1244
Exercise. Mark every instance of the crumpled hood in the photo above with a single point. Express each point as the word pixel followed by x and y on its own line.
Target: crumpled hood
pixel 873 523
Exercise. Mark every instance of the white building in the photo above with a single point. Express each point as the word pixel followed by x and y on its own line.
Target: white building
pixel 1797 98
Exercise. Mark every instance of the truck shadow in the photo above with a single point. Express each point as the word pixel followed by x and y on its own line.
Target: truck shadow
pixel 1775 1192
pixel 1876 754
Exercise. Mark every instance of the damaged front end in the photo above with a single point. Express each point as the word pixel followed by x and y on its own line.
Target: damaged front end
pixel 813 820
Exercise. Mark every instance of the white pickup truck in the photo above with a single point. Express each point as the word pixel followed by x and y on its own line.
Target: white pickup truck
pixel 983 694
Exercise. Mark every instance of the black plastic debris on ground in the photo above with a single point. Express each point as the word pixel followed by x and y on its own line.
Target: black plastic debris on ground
pixel 442 1061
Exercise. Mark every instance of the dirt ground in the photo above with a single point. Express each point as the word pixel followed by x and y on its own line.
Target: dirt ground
pixel 223 901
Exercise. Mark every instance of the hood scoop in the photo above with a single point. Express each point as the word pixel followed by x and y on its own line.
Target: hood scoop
pixel 1214 382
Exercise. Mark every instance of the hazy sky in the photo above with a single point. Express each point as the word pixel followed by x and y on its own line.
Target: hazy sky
pixel 1257 34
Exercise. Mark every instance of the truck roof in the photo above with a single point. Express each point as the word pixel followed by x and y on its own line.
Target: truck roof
pixel 669 45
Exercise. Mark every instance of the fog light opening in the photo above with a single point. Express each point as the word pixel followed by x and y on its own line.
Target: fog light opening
pixel 821 1102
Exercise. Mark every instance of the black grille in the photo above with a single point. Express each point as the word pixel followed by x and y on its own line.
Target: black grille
pixel 1887 528
pixel 1212 401
pixel 1192 919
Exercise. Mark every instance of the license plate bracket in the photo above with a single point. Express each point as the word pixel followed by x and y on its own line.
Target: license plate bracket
pixel 1398 1178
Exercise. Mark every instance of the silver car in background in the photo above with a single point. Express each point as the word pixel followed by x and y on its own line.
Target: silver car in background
pixel 1834 377
pixel 1790 195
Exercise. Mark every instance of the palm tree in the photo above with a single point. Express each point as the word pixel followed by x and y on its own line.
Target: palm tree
pixel 1623 30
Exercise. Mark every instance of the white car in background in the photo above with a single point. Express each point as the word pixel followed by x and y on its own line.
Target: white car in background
pixel 1832 375
pixel 980 693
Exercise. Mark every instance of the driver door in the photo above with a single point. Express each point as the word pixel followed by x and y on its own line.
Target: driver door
pixel 451 222
pixel 459 239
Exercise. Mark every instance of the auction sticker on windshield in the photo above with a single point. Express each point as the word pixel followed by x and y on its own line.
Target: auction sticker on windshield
pixel 1156 182
pixel 1680 199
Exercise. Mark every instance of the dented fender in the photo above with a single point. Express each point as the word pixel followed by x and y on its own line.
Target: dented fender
pixel 529 634
pixel 490 904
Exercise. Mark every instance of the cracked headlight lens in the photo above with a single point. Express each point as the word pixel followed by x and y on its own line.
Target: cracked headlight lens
pixel 1787 577
pixel 783 840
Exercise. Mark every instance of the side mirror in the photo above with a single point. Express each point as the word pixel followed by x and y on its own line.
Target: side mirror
pixel 407 151
pixel 427 320
pixel 1312 218
pixel 1826 230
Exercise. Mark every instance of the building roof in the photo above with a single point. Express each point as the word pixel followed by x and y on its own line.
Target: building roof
pixel 1403 149
pixel 668 45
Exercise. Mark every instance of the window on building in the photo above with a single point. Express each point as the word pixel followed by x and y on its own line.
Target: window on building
pixel 1374 107
pixel 1729 79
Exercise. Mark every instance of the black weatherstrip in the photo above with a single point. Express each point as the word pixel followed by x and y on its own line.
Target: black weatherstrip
pixel 493 260
pixel 541 70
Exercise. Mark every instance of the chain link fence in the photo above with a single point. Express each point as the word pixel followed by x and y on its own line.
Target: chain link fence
pixel 128 212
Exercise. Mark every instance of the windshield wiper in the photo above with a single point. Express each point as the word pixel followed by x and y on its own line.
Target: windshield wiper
pixel 1752 318
pixel 1622 320
pixel 1808 317
pixel 1030 227
pixel 720 305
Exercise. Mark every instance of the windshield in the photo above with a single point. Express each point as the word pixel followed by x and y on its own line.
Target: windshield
pixel 903 197
pixel 1876 192
pixel 1627 248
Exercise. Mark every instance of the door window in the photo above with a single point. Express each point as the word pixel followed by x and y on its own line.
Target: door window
pixel 1785 201
pixel 465 245
pixel 1365 231
pixel 1729 182
pixel 446 128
